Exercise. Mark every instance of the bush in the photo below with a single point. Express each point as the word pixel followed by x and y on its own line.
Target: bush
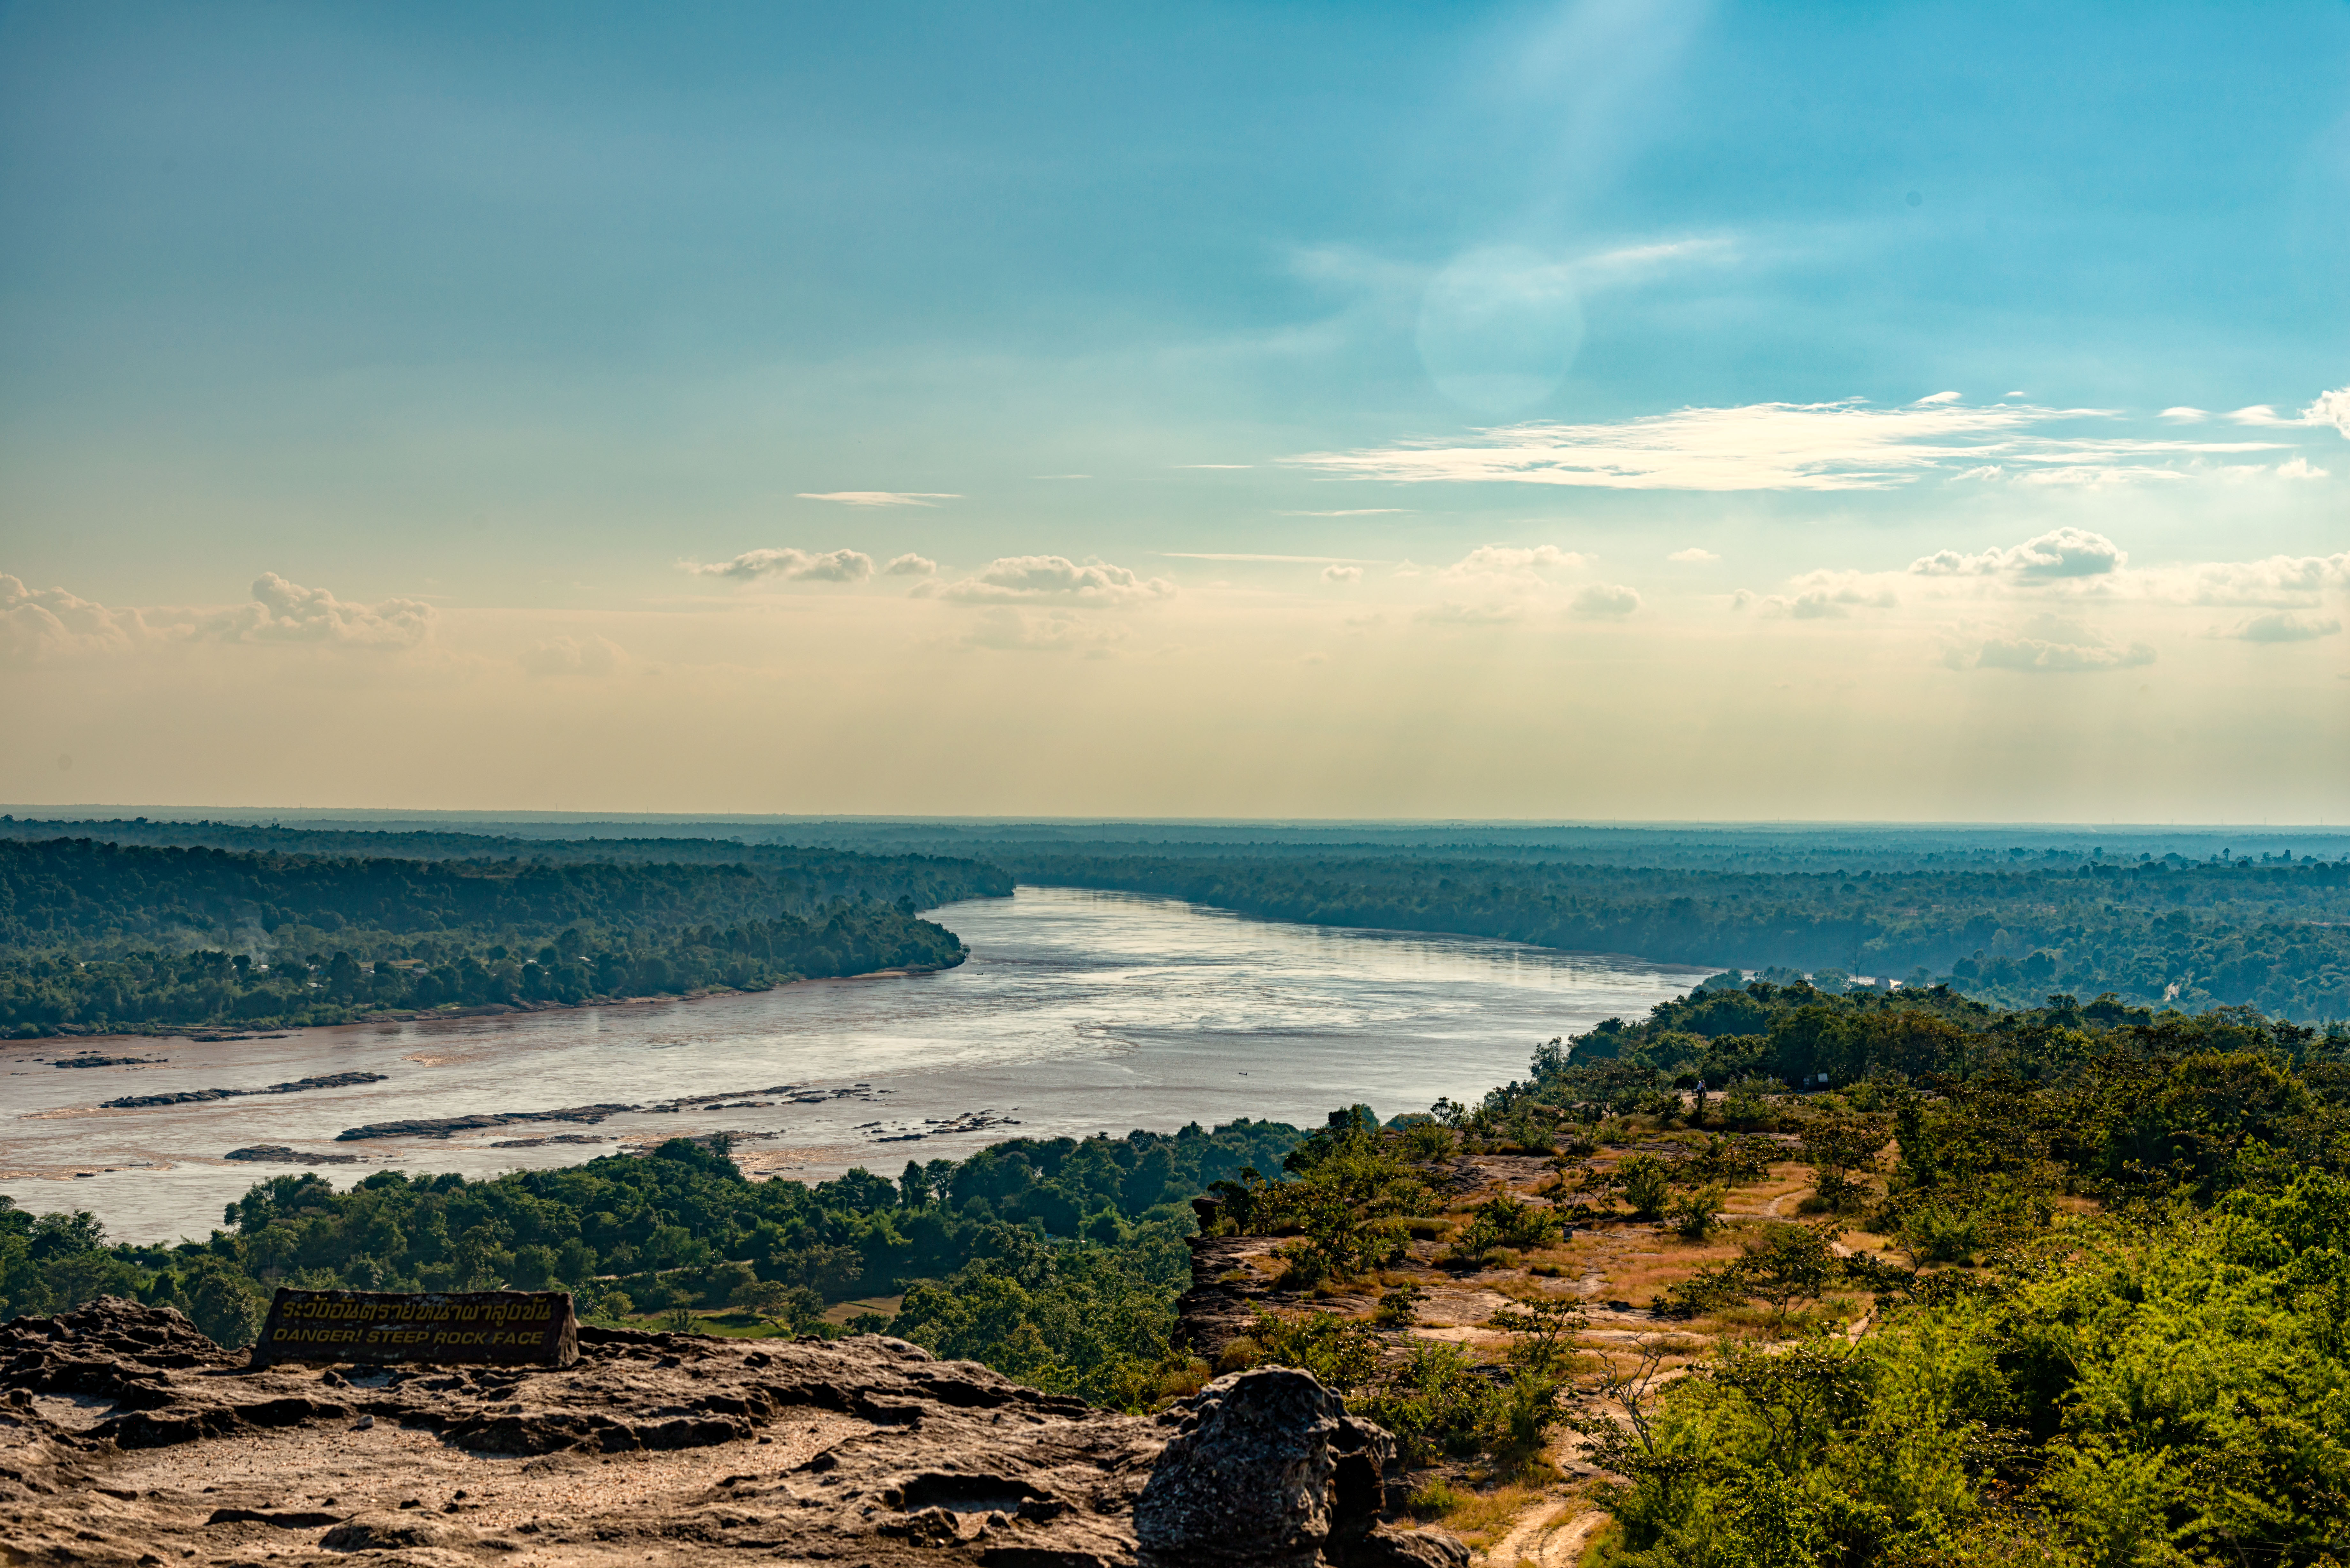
pixel 1645 1184
pixel 1434 1404
pixel 1694 1214
pixel 1498 1222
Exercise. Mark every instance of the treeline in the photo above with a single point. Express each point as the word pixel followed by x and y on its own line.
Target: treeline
pixel 801 879
pixel 1083 1238
pixel 145 991
pixel 93 895
pixel 2272 933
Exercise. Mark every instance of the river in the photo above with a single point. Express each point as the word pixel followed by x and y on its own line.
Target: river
pixel 1076 1012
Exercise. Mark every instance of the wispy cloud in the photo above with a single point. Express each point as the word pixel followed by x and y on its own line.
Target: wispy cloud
pixel 791 565
pixel 1222 465
pixel 1342 573
pixel 1693 556
pixel 1350 512
pixel 880 497
pixel 1845 445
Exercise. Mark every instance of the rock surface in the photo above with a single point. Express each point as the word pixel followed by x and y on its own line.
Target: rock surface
pixel 128 1438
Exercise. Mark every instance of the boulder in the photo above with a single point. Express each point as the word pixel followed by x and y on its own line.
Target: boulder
pixel 1266 1471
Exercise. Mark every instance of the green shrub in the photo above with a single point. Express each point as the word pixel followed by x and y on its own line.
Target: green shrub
pixel 1645 1184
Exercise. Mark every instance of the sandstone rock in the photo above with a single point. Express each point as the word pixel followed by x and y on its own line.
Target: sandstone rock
pixel 1267 1468
pixel 129 1437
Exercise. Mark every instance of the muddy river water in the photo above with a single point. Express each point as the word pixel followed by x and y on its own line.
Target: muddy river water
pixel 1076 1012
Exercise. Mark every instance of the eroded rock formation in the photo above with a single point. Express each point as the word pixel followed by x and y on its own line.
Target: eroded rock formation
pixel 128 1438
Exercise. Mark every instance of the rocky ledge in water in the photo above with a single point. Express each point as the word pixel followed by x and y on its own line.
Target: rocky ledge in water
pixel 127 1438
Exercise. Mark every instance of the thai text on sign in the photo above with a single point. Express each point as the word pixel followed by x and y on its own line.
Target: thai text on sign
pixel 524 1328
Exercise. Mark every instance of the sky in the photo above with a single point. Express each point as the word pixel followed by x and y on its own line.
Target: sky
pixel 1622 409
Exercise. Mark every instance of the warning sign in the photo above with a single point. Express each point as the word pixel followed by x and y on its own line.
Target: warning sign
pixel 521 1329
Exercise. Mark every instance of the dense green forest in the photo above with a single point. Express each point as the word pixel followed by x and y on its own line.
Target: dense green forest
pixel 1057 1260
pixel 2273 933
pixel 98 937
pixel 2109 1307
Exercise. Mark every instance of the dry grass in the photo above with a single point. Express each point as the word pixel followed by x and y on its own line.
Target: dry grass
pixel 1481 1518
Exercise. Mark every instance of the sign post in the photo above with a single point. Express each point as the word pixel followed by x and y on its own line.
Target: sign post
pixel 391 1328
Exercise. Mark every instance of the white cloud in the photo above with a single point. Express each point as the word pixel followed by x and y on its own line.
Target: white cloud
pixel 1845 445
pixel 1008 629
pixel 880 497
pixel 791 565
pixel 1349 512
pixel 574 656
pixel 2281 625
pixel 1603 601
pixel 2046 646
pixel 1693 556
pixel 2277 581
pixel 2300 468
pixel 1212 465
pixel 1512 561
pixel 1342 573
pixel 2061 553
pixel 39 624
pixel 910 566
pixel 287 612
pixel 2330 408
pixel 1932 399
pixel 1015 577
pixel 2183 415
pixel 1821 595
pixel 1453 613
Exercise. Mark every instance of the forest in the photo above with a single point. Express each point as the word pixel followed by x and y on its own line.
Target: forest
pixel 2272 933
pixel 2109 1293
pixel 98 937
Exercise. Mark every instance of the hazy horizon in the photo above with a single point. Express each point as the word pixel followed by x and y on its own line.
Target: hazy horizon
pixel 1568 412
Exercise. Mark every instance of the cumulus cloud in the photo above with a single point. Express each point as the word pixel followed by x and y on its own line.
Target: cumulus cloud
pixel 791 565
pixel 1342 573
pixel 39 624
pixel 2045 646
pixel 2330 408
pixel 910 566
pixel 287 612
pixel 2282 581
pixel 2061 553
pixel 1045 577
pixel 880 497
pixel 1603 601
pixel 1843 446
pixel 1009 630
pixel 1693 556
pixel 2300 468
pixel 2281 625
pixel 574 656
pixel 1512 561
pixel 1820 596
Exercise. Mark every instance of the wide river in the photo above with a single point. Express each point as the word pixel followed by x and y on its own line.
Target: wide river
pixel 1076 1012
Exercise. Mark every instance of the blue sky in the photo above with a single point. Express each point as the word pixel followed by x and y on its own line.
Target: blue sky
pixel 515 312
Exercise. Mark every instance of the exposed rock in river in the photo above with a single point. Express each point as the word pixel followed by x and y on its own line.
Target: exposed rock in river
pixel 130 1439
pixel 278 1153
pixel 328 1080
